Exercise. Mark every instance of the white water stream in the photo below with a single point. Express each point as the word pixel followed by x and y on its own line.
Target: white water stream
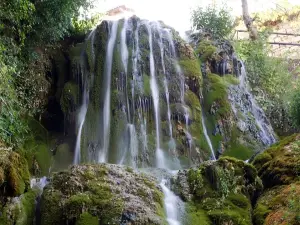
pixel 208 139
pixel 106 108
pixel 266 130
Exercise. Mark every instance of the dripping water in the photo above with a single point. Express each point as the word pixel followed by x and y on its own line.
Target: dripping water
pixel 208 139
pixel 106 108
pixel 266 132
pixel 85 100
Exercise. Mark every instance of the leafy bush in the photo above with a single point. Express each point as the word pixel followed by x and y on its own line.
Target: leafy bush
pixel 82 26
pixel 270 79
pixel 29 29
pixel 217 22
pixel 12 127
pixel 295 108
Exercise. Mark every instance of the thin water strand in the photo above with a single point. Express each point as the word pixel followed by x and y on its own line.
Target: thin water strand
pixel 213 156
pixel 160 158
pixel 266 131
pixel 106 107
pixel 171 202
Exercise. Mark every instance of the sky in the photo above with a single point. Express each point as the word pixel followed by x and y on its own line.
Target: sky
pixel 176 13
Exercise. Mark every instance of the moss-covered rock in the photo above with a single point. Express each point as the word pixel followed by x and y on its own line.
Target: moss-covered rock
pixel 279 169
pixel 70 97
pixel 19 211
pixel 220 192
pixel 101 194
pixel 14 173
pixel 279 205
pixel 205 50
pixel 280 164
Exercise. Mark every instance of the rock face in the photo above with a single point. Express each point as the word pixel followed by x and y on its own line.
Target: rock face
pixel 101 194
pixel 115 80
pixel 14 173
pixel 219 192
pixel 279 169
pixel 236 125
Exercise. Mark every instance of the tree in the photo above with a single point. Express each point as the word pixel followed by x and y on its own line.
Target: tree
pixel 249 21
pixel 216 22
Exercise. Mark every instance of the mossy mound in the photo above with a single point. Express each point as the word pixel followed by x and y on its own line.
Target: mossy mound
pixel 15 182
pixel 220 192
pixel 280 164
pixel 101 194
pixel 70 97
pixel 14 173
pixel 279 205
pixel 19 211
pixel 205 50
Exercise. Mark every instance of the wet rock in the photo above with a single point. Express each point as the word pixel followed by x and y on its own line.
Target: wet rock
pixel 280 164
pixel 279 169
pixel 112 194
pixel 219 192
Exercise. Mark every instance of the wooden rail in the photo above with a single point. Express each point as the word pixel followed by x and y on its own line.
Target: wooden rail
pixel 276 33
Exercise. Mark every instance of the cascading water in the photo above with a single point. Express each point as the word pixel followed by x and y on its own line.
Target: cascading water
pixel 138 80
pixel 208 139
pixel 160 158
pixel 124 56
pixel 182 91
pixel 243 101
pixel 85 100
pixel 172 204
pixel 106 107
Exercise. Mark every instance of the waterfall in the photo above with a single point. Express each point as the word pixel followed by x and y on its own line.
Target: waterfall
pixel 208 139
pixel 160 158
pixel 172 204
pixel 85 100
pixel 245 102
pixel 165 79
pixel 107 83
pixel 81 119
pixel 182 90
pixel 124 57
pixel 130 158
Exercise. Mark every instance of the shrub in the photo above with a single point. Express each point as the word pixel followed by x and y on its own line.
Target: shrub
pixel 217 22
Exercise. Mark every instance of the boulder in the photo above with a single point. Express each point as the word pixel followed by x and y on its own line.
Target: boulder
pixel 102 194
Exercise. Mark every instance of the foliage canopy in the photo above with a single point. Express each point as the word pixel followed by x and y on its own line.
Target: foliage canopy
pixel 217 22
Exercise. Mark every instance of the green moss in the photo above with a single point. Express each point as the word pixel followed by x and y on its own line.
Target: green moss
pixel 87 219
pixel 51 211
pixel 76 204
pixel 260 213
pixel 279 205
pixel 63 157
pixel 129 169
pixel 110 208
pixel 70 97
pixel 196 216
pixel 27 208
pixel 205 50
pixel 161 213
pixel 238 151
pixel 221 192
pixel 226 216
pixel 18 174
pixel 191 68
pixel 216 92
pixel 147 88
pixel 43 158
pixel 239 200
pixel 280 164
pixel 192 100
pixel 38 156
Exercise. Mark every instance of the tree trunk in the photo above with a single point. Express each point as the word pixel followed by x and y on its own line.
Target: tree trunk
pixel 249 21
